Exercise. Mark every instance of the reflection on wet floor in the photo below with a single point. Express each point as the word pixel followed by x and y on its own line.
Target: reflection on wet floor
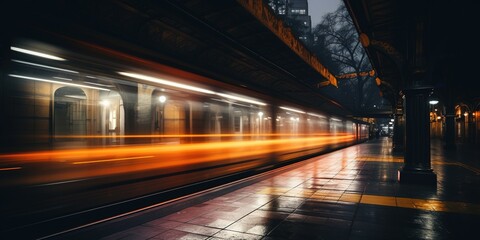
pixel 347 194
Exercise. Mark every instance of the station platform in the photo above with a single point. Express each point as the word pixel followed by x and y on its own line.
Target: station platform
pixel 351 193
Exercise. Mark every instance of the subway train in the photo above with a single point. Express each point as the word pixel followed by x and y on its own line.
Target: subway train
pixel 87 129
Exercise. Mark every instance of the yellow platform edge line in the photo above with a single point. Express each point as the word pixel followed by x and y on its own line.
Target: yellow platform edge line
pixel 382 158
pixel 389 201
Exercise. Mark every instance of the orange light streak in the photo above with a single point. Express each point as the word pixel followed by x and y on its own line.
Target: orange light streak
pixel 186 156
pixel 191 135
pixel 112 160
pixel 125 151
pixel 10 168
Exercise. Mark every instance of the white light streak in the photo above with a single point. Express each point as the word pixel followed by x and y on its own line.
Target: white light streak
pixel 316 115
pixel 166 82
pixel 61 78
pixel 38 54
pixel 241 99
pixel 57 82
pixel 76 96
pixel 292 110
pixel 44 66
pixel 189 87
pixel 98 84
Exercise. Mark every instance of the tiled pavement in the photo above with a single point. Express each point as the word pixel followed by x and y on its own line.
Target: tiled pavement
pixel 348 194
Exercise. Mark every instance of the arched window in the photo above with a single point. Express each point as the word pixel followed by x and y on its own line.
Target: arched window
pixel 170 116
pixel 112 115
pixel 69 112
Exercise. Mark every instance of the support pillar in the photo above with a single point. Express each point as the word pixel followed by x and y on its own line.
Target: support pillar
pixel 5 127
pixel 398 147
pixel 471 127
pixel 449 128
pixel 130 102
pixel 417 167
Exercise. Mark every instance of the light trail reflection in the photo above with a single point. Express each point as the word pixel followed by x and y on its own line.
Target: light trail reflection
pixel 134 158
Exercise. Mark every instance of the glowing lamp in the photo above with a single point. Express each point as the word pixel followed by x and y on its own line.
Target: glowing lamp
pixel 162 99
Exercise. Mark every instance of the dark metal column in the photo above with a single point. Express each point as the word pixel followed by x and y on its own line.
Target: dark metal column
pixel 449 128
pixel 398 146
pixel 471 127
pixel 130 102
pixel 417 168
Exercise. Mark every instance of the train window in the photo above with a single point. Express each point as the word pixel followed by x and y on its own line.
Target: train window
pixel 350 127
pixel 199 116
pixel 260 121
pixel 69 112
pixel 336 125
pixel 78 112
pixel 258 124
pixel 289 122
pixel 174 123
pixel 215 117
pixel 242 120
pixel 316 123
pixel 112 115
pixel 238 123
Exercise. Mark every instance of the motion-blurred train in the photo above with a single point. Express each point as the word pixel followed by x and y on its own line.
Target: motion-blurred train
pixel 86 127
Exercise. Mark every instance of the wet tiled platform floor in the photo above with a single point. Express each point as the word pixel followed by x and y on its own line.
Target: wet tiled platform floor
pixel 352 193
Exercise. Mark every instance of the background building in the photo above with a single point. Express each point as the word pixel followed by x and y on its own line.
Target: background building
pixel 295 14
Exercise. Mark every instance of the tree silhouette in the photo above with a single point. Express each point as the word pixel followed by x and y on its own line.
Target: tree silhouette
pixel 335 43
